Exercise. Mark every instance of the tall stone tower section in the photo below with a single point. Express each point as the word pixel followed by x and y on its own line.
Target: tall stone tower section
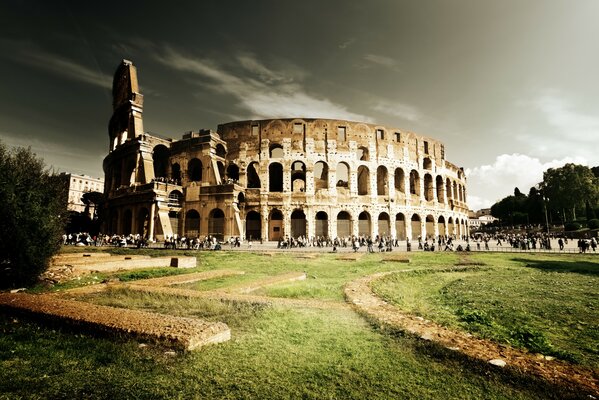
pixel 127 103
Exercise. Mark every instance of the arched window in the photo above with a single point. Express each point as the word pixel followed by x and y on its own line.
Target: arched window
pixel 439 184
pixel 253 225
pixel 275 177
pixel 400 180
pixel 194 170
pixel 427 163
pixel 382 181
pixel 416 226
pixel 363 180
pixel 362 154
pixel 175 198
pixel 298 223
pixel 160 157
pixel 220 151
pixel 216 223
pixel 364 224
pixel 192 224
pixel 400 226
pixel 414 182
pixel 321 175
pixel 253 180
pixel 276 151
pixel 428 187
pixel 344 224
pixel 176 172
pixel 383 222
pixel 298 177
pixel 342 175
pixel 321 227
pixel 233 172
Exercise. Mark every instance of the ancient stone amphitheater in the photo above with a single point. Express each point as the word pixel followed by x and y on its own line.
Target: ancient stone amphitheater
pixel 269 179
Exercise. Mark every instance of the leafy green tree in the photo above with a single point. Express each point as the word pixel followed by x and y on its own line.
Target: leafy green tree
pixel 32 216
pixel 570 187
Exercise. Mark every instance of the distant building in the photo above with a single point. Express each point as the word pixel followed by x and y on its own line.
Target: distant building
pixel 78 185
pixel 476 219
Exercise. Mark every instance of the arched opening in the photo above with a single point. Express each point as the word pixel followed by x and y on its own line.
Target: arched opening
pixel 428 187
pixel 344 224
pixel 114 221
pixel 384 226
pixel 160 157
pixel 216 223
pixel 220 151
pixel 448 189
pixel 176 173
pixel 382 181
pixel 143 222
pixel 127 221
pixel 414 183
pixel 400 181
pixel 440 187
pixel 460 193
pixel 233 172
pixel 298 223
pixel 430 226
pixel 298 177
pixel 450 226
pixel 364 224
pixel 194 170
pixel 427 163
pixel 275 177
pixel 362 154
pixel 173 217
pixel 321 175
pixel 253 226
pixel 400 226
pixel 416 226
pixel 253 180
pixel 342 175
pixel 221 171
pixel 276 151
pixel 175 199
pixel 321 225
pixel 363 180
pixel 441 222
pixel 240 198
pixel 275 225
pixel 192 224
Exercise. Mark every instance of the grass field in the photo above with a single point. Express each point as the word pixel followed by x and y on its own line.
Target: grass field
pixel 294 352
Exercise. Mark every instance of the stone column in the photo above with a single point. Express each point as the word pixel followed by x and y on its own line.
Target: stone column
pixel 152 222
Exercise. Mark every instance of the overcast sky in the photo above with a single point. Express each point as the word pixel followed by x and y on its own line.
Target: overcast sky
pixel 509 86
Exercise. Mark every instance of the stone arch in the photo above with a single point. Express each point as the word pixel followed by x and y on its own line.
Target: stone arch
pixel 160 156
pixel 176 172
pixel 298 176
pixel 221 170
pixel 364 224
pixel 362 154
pixel 192 223
pixel 253 225
pixel 344 224
pixel 276 151
pixel 455 191
pixel 416 226
pixel 382 181
pixel 384 225
pixel 448 191
pixel 253 179
pixel 321 225
pixel 240 198
pixel 127 221
pixel 450 226
pixel 220 151
pixel 275 225
pixel 342 175
pixel 233 172
pixel 400 181
pixel 414 183
pixel 427 163
pixel 194 170
pixel 175 198
pixel 400 226
pixel 363 180
pixel 430 226
pixel 442 226
pixel 439 184
pixel 321 175
pixel 275 177
pixel 298 223
pixel 216 223
pixel 428 187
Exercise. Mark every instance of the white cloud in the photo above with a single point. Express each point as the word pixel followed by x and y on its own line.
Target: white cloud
pixel 265 93
pixel 490 183
pixel 570 123
pixel 397 109
pixel 381 60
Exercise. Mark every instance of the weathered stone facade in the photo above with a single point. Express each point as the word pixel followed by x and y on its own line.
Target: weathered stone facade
pixel 269 179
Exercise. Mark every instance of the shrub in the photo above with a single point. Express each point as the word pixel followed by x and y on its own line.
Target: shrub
pixel 531 339
pixel 593 224
pixel 572 226
pixel 32 216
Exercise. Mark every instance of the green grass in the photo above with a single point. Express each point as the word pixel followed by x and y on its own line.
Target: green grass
pixel 275 352
pixel 546 303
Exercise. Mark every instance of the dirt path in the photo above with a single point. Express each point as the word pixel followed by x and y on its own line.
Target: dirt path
pixel 359 293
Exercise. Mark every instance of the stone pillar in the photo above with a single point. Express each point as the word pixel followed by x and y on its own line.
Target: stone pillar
pixel 152 224
pixel 353 182
pixel 355 227
pixel 310 223
pixel 332 223
pixel 286 222
pixel 408 224
pixel 391 183
pixel 265 226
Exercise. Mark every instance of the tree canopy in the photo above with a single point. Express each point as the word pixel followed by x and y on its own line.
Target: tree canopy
pixel 32 215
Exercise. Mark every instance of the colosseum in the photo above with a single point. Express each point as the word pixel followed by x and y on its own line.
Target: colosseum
pixel 276 178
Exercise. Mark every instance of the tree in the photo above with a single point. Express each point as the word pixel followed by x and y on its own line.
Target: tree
pixel 32 216
pixel 570 187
